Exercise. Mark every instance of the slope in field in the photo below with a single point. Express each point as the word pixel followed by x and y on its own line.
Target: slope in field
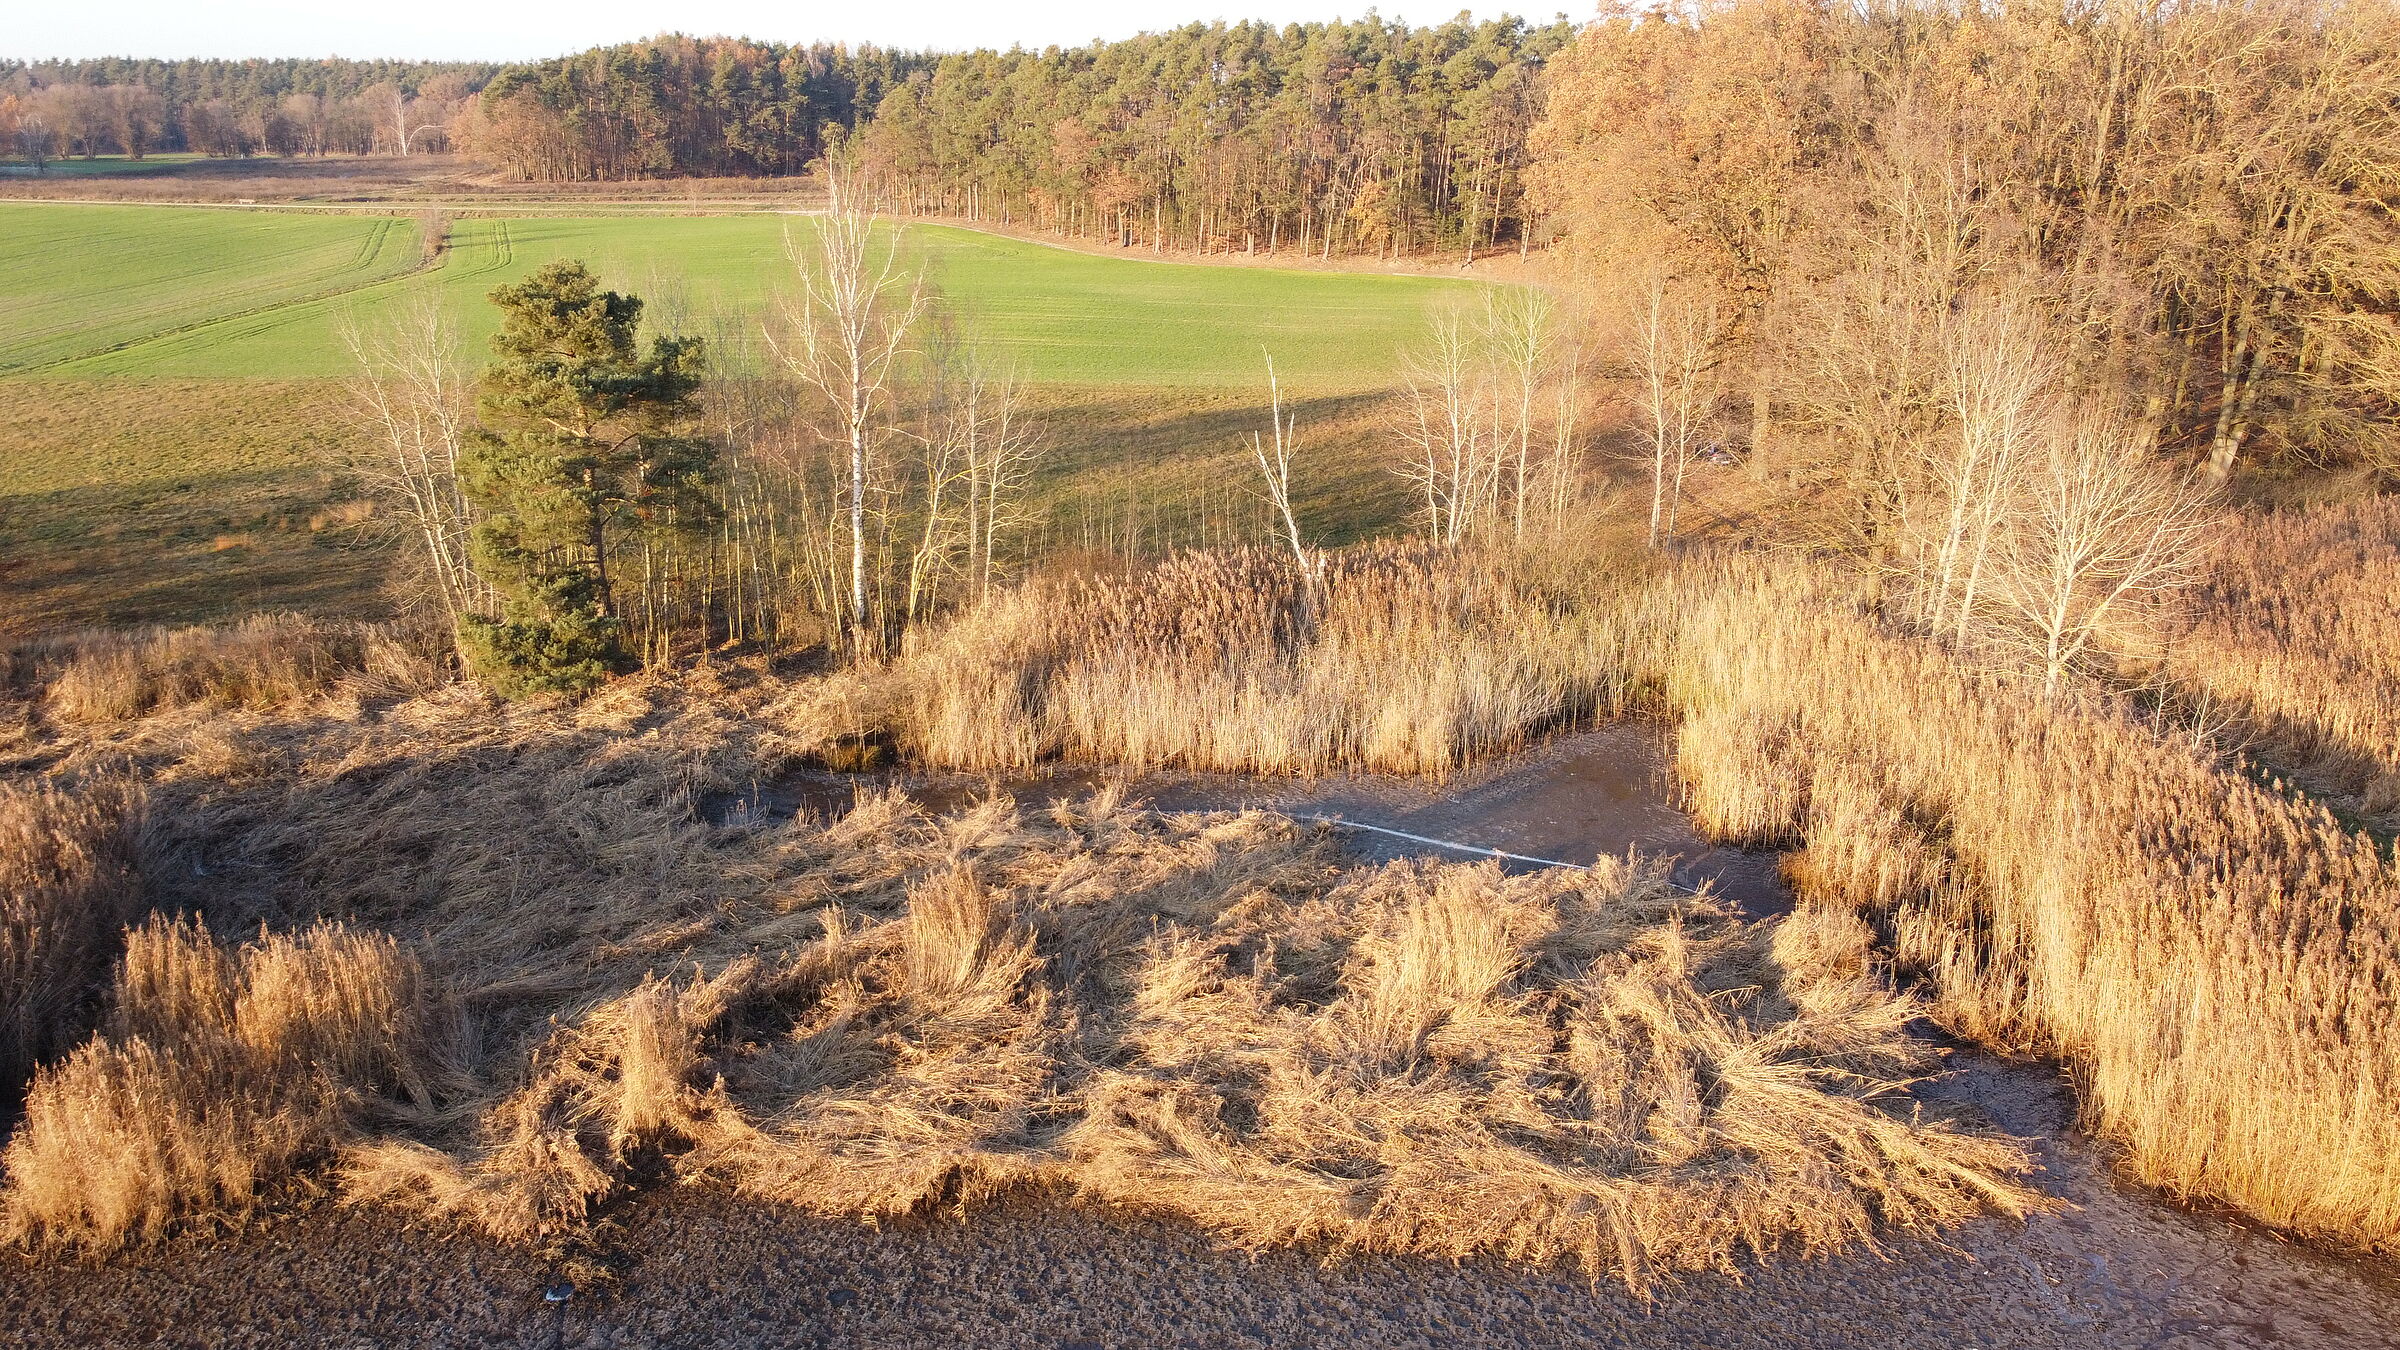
pixel 77 280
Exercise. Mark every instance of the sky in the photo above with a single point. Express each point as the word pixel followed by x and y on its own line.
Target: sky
pixel 507 30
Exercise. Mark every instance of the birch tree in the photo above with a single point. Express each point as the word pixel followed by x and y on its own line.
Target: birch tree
pixel 2105 535
pixel 1670 336
pixel 1448 431
pixel 1275 468
pixel 847 329
pixel 414 393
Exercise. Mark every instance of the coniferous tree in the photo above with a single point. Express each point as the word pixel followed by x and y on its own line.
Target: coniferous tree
pixel 585 453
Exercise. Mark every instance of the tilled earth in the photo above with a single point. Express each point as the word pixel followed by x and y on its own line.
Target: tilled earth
pixel 700 1269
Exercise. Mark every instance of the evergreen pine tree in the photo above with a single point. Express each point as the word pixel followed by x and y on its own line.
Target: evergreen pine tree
pixel 584 447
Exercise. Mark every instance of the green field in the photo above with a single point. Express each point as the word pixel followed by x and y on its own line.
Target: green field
pixel 173 428
pixel 104 166
pixel 201 293
pixel 81 279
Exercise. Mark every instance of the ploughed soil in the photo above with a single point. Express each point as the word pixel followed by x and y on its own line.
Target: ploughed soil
pixel 697 1267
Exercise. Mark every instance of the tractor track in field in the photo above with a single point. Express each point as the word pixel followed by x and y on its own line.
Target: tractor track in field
pixel 424 266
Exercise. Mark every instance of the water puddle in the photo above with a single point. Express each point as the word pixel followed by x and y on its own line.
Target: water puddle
pixel 1570 799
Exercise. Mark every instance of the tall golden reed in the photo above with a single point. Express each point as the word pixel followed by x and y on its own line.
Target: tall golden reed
pixel 2218 960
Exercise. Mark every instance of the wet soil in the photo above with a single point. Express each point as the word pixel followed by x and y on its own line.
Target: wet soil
pixel 694 1267
pixel 1571 799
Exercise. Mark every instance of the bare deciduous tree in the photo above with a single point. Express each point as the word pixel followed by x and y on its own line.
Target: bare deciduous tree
pixel 2001 379
pixel 2105 534
pixel 1671 340
pixel 1275 467
pixel 844 337
pixel 415 394
pixel 1520 323
pixel 1449 432
pixel 979 448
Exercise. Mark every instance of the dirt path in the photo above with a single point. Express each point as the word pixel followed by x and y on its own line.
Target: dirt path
pixel 700 1269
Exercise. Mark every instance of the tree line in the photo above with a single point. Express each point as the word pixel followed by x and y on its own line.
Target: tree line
pixel 1365 136
pixel 1913 237
pixel 290 107
pixel 1371 135
pixel 1368 136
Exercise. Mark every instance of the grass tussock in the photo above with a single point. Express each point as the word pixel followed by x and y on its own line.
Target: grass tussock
pixel 2218 961
pixel 2294 637
pixel 1406 660
pixel 220 1073
pixel 1198 1015
pixel 262 662
pixel 69 883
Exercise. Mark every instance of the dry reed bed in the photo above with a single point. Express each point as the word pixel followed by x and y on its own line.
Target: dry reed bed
pixel 1198 1015
pixel 2295 633
pixel 267 661
pixel 1391 658
pixel 2218 962
pixel 221 1073
pixel 1205 1015
pixel 68 886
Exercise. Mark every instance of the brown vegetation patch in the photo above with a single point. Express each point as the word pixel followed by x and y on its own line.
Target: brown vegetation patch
pixel 1387 658
pixel 894 1010
pixel 2218 960
pixel 68 887
pixel 2293 638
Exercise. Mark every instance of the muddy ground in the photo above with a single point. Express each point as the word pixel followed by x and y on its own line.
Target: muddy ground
pixel 700 1269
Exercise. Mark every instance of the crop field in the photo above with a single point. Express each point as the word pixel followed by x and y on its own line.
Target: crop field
pixel 173 432
pixel 207 293
pixel 78 280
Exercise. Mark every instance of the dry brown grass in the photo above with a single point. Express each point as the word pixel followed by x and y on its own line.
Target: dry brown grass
pixel 1196 1015
pixel 893 1011
pixel 1206 1016
pixel 2296 636
pixel 219 1074
pixel 267 661
pixel 1398 659
pixel 2218 961
pixel 68 886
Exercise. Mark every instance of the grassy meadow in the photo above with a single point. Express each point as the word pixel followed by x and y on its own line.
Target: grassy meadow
pixel 175 427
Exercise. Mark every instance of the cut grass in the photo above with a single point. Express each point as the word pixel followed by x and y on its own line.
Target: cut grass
pixel 105 166
pixel 168 501
pixel 1061 316
pixel 175 430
